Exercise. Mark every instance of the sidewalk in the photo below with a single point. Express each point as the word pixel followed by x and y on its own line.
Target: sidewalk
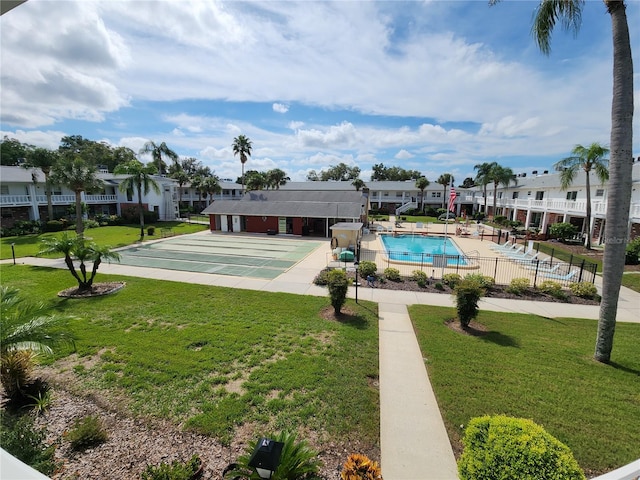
pixel 414 441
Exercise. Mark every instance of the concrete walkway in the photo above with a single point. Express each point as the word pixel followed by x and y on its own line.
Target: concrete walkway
pixel 414 441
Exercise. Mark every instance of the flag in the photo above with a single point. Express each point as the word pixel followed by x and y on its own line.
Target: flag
pixel 452 199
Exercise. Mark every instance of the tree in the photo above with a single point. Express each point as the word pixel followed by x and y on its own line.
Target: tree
pixel 182 178
pixel 27 328
pixel 139 178
pixel 79 249
pixel 381 173
pixel 277 178
pixel 242 146
pixel 500 175
pixel 197 183
pixel 467 183
pixel 255 180
pixel 445 180
pixel 79 176
pixel 313 176
pixel 12 152
pixel 339 173
pixel 44 160
pixel 158 152
pixel 358 183
pixel 482 178
pixel 211 186
pixel 98 154
pixel 586 159
pixel 621 145
pixel 421 184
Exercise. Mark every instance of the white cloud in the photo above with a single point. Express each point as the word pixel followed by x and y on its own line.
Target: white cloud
pixel 403 155
pixel 280 108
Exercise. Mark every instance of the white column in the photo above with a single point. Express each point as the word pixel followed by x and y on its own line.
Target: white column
pixel 33 196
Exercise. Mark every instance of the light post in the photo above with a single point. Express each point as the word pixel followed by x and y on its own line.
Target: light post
pixel 13 252
pixel 266 457
pixel 355 264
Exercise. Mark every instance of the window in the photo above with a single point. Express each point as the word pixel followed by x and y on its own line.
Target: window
pixel 499 194
pixel 539 195
pixel 4 190
pixel 572 196
pixel 529 193
pixel 399 194
pixel 386 194
pixel 436 194
pixel 600 192
pixel 514 195
pixel 129 195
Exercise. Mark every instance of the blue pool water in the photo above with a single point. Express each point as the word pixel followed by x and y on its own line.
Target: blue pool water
pixel 421 248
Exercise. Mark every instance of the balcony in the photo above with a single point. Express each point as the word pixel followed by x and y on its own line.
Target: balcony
pixel 25 200
pixel 15 200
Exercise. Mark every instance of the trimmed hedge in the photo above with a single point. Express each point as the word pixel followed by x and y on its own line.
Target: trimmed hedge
pixel 502 447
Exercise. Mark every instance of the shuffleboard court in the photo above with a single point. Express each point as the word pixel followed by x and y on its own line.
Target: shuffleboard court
pixel 235 255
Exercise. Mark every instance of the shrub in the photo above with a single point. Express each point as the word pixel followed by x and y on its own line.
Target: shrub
pixel 467 294
pixel 518 286
pixel 322 278
pixel 504 447
pixel 392 274
pixel 360 467
pixel 54 226
pixel 367 268
pixel 632 253
pixel 451 279
pixel 17 366
pixel 552 288
pixel 584 290
pixel 500 220
pixel 563 230
pixel 91 224
pixel 338 285
pixel 485 281
pixel 151 231
pixel 23 440
pixel 418 275
pixel 86 432
pixel 438 286
pixel 176 470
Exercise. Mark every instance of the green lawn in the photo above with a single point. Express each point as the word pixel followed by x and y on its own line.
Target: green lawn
pixel 216 358
pixel 118 236
pixel 542 369
pixel 632 281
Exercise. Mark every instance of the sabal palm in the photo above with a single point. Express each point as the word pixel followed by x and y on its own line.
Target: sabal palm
pixel 421 184
pixel 44 159
pixel 211 186
pixel 587 159
pixel 139 178
pixel 78 248
pixel 621 144
pixel 79 176
pixel 482 178
pixel 445 180
pixel 499 175
pixel 157 153
pixel 358 183
pixel 277 178
pixel 182 178
pixel 242 146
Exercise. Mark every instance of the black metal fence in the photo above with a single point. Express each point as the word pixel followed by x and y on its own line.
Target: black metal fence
pixel 502 269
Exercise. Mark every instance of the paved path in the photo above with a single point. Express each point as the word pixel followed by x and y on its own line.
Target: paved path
pixel 414 442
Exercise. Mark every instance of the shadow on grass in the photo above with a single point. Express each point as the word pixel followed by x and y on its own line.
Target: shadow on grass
pixel 500 339
pixel 624 368
pixel 352 319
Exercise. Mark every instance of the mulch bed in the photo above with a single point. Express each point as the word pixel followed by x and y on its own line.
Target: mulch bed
pixel 97 290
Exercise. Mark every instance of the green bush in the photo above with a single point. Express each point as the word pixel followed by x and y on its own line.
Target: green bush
pixel 392 274
pixel 338 284
pixel 584 290
pixel 502 447
pixel 563 230
pixel 632 253
pixel 438 286
pixel 418 275
pixel 23 440
pixel 518 286
pixel 54 226
pixel 367 268
pixel 91 224
pixel 151 231
pixel 552 288
pixel 500 220
pixel 467 294
pixel 86 432
pixel 322 278
pixel 176 470
pixel 485 281
pixel 451 279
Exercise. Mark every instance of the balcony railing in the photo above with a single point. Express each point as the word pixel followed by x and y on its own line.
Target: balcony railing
pixel 15 200
pixel 25 200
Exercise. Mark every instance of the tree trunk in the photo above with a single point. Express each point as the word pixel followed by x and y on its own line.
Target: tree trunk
pixel 47 185
pixel 485 200
pixel 140 212
pixel 619 187
pixel 587 242
pixel 79 222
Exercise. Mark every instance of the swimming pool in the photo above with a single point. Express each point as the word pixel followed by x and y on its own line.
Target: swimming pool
pixel 422 249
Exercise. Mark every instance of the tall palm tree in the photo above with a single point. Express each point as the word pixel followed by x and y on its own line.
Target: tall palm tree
pixel 43 159
pixel 182 178
pixel 242 146
pixel 80 176
pixel 139 178
pixel 586 159
pixel 197 183
pixel 157 153
pixel 621 145
pixel 500 175
pixel 277 178
pixel 421 184
pixel 211 186
pixel 445 180
pixel 482 178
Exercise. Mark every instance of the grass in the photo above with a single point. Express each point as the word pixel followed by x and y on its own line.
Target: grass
pixel 631 280
pixel 214 358
pixel 566 256
pixel 114 236
pixel 542 369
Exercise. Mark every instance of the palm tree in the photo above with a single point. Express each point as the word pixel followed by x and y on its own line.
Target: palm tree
pixel 621 145
pixel 587 159
pixel 482 178
pixel 157 153
pixel 445 180
pixel 211 186
pixel 421 184
pixel 242 146
pixel 139 178
pixel 43 159
pixel 277 178
pixel 500 175
pixel 182 178
pixel 79 176
pixel 26 329
pixel 197 183
pixel 78 248
pixel 358 183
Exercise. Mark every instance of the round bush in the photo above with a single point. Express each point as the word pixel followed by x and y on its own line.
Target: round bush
pixel 392 274
pixel 518 286
pixel 467 294
pixel 552 288
pixel 367 268
pixel 451 279
pixel 501 447
pixel 584 289
pixel 485 281
pixel 338 284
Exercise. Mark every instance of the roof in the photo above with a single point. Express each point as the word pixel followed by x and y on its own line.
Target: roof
pixel 350 226
pixel 292 204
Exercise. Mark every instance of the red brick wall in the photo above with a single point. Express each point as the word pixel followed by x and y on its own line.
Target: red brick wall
pixel 258 225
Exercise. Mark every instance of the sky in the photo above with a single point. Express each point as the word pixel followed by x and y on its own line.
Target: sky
pixel 433 86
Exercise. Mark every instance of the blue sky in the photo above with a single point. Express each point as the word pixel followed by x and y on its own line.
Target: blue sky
pixel 434 86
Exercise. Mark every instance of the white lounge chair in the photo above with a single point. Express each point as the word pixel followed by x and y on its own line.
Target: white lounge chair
pixel 526 258
pixel 565 278
pixel 504 247
pixel 553 269
pixel 515 252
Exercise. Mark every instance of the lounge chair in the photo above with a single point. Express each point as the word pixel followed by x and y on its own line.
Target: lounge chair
pixel 511 253
pixel 504 247
pixel 565 278
pixel 515 254
pixel 553 269
pixel 526 258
